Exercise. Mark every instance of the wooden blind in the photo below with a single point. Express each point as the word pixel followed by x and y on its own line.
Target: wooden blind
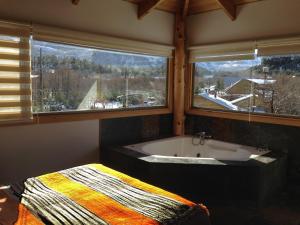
pixel 59 35
pixel 15 82
pixel 222 52
pixel 281 46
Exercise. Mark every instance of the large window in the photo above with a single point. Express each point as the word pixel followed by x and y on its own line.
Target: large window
pixel 268 84
pixel 71 78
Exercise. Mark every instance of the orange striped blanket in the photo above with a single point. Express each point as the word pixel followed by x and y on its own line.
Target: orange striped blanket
pixel 95 194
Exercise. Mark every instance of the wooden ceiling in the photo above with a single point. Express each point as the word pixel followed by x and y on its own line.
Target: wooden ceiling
pixel 194 6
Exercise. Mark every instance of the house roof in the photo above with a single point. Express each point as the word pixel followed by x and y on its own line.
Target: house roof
pixel 241 98
pixel 256 81
pixel 220 101
pixel 262 81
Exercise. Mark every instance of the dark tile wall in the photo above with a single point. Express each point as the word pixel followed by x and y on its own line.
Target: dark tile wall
pixel 129 130
pixel 275 137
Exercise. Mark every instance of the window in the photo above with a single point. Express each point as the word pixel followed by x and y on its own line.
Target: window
pixel 266 84
pixel 70 78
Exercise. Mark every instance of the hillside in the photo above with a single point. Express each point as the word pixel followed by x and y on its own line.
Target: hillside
pixel 100 57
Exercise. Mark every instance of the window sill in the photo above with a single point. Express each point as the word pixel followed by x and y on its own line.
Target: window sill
pixel 59 117
pixel 278 120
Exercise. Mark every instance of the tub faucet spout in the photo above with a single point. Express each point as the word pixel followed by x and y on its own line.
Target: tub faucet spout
pixel 202 136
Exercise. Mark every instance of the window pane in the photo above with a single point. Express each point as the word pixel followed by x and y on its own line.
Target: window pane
pixel 264 85
pixel 282 95
pixel 71 78
pixel 224 85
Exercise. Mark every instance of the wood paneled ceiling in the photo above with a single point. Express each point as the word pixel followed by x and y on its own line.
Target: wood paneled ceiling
pixel 195 6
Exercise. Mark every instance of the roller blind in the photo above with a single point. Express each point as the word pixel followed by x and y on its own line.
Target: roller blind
pixel 51 34
pixel 283 46
pixel 222 52
pixel 15 82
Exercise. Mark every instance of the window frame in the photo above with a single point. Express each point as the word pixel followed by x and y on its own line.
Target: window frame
pixel 56 117
pixel 243 116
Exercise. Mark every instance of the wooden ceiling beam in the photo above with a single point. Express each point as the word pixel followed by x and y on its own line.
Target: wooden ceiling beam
pixel 145 7
pixel 75 2
pixel 180 63
pixel 185 8
pixel 229 7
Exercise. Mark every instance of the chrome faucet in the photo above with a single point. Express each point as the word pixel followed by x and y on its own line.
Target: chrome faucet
pixel 202 136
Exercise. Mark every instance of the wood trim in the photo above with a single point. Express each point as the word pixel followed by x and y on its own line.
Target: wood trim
pixel 79 116
pixel 47 118
pixel 229 8
pixel 269 119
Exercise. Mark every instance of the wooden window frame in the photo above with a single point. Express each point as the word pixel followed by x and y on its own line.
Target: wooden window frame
pixel 243 116
pixel 57 117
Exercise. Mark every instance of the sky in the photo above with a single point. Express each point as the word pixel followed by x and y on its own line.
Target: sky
pixel 229 65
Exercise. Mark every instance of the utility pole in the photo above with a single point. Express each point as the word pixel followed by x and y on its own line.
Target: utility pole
pixel 41 82
pixel 126 89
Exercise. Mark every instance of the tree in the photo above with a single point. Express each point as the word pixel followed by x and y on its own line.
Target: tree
pixel 220 84
pixel 286 98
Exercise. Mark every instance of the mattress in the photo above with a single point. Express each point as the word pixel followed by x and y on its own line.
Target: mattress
pixel 95 194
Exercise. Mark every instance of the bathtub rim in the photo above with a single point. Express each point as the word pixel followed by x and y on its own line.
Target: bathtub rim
pixel 154 159
pixel 183 158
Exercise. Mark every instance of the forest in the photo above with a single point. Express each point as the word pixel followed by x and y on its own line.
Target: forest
pixel 63 82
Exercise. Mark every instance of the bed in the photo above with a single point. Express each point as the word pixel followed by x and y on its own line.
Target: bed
pixel 96 194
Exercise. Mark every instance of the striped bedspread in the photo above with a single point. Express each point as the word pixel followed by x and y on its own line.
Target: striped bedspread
pixel 95 194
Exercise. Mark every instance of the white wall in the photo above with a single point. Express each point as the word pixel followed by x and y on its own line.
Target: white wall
pixel 50 147
pixel 111 17
pixel 268 18
pixel 31 150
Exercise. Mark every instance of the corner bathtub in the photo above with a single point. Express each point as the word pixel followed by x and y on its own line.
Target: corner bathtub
pixel 212 172
pixel 187 146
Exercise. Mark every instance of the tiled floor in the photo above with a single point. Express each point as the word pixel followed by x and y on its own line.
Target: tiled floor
pixel 283 211
pixel 247 216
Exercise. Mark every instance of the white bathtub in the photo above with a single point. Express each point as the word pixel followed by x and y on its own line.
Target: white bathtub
pixel 181 147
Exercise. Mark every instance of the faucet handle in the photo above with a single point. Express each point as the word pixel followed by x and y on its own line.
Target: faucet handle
pixel 204 135
pixel 208 136
pixel 201 134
